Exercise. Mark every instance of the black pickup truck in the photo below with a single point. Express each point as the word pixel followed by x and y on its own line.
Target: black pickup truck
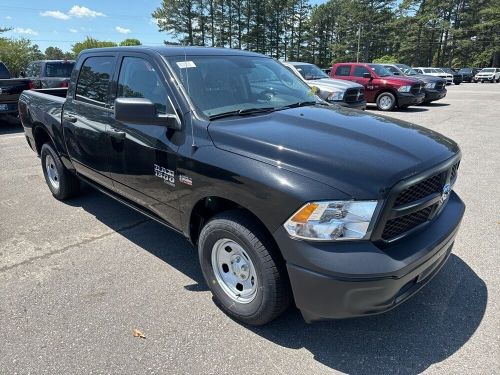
pixel 10 90
pixel 286 197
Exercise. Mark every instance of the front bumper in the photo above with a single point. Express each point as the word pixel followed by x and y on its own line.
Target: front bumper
pixel 356 105
pixel 432 94
pixel 405 99
pixel 349 279
pixel 484 79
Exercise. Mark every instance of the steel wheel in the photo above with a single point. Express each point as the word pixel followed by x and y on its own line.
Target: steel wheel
pixel 234 270
pixel 52 174
pixel 385 103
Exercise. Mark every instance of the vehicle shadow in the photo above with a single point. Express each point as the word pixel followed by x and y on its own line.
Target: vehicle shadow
pixel 425 330
pixel 10 125
pixel 433 104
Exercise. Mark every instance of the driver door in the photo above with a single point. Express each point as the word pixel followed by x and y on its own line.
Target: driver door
pixel 143 157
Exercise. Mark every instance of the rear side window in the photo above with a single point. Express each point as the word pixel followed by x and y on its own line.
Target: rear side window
pixel 360 70
pixel 93 80
pixel 139 79
pixel 343 70
pixel 59 69
pixel 391 69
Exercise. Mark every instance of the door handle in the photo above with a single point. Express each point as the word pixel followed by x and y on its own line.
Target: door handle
pixel 117 134
pixel 71 119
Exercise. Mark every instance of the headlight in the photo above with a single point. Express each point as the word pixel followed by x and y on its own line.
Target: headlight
pixel 430 85
pixel 332 220
pixel 336 95
pixel 404 89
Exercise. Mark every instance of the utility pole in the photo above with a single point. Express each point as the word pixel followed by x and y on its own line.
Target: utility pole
pixel 359 40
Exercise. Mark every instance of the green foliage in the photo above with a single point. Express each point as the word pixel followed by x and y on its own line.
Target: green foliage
pixel 386 59
pixel 416 32
pixel 18 53
pixel 131 42
pixel 54 53
pixel 90 43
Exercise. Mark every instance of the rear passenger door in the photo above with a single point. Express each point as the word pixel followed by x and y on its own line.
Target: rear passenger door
pixel 342 72
pixel 143 157
pixel 87 117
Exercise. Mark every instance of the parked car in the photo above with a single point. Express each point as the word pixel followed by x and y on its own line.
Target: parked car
pixel 468 74
pixel 457 77
pixel 10 90
pixel 435 87
pixel 436 73
pixel 381 86
pixel 337 91
pixel 488 75
pixel 285 196
pixel 49 73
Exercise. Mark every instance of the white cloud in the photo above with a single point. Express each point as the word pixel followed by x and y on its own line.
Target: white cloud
pixel 84 12
pixel 8 17
pixel 122 30
pixel 73 30
pixel 55 14
pixel 28 31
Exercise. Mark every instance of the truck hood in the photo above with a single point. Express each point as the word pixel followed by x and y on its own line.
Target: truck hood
pixel 360 154
pixel 330 84
pixel 485 74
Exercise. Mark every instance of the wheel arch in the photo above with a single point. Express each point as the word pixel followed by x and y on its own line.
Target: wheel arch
pixel 41 136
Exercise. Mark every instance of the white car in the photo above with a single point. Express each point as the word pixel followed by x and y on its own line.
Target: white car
pixel 488 75
pixel 436 72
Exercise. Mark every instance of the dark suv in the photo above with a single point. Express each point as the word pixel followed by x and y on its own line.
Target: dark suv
pixel 468 74
pixel 381 86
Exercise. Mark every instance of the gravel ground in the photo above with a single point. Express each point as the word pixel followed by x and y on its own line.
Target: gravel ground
pixel 77 277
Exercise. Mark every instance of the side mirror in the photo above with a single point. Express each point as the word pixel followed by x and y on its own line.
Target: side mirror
pixel 367 75
pixel 143 111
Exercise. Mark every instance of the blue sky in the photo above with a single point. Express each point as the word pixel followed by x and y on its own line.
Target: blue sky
pixel 62 23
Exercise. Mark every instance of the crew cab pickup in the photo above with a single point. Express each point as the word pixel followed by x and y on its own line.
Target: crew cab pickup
pixel 337 91
pixel 381 86
pixel 287 198
pixel 10 90
pixel 45 74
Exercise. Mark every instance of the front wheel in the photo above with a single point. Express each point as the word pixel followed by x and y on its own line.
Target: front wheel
pixel 62 183
pixel 243 269
pixel 386 101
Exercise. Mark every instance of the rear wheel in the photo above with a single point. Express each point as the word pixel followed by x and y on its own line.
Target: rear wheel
pixel 243 269
pixel 386 101
pixel 61 182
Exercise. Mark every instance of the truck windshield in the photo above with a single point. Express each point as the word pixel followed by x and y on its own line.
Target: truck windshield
pixel 59 69
pixel 4 73
pixel 407 70
pixel 309 71
pixel 380 70
pixel 238 85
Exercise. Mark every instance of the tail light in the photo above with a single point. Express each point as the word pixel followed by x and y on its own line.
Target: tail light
pixel 31 85
pixel 64 84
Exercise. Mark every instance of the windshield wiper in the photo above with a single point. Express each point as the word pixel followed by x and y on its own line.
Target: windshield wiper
pixel 241 112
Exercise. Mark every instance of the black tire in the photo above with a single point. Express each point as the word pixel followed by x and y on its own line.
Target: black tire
pixel 458 83
pixel 68 183
pixel 381 99
pixel 405 106
pixel 273 295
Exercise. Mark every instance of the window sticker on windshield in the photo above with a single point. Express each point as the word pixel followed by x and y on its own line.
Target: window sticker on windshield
pixel 186 64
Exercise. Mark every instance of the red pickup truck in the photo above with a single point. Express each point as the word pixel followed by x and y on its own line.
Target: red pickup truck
pixel 381 86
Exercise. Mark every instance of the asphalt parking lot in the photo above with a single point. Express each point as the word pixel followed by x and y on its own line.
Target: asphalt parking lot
pixel 77 277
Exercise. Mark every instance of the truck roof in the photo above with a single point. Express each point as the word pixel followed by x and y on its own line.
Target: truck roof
pixel 180 50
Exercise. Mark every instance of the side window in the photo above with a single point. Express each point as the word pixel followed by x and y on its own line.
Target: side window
pixel 29 71
pixel 93 80
pixel 392 69
pixel 139 79
pixel 37 70
pixel 359 71
pixel 343 70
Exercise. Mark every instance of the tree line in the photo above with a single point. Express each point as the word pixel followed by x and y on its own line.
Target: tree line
pixel 417 32
pixel 18 53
